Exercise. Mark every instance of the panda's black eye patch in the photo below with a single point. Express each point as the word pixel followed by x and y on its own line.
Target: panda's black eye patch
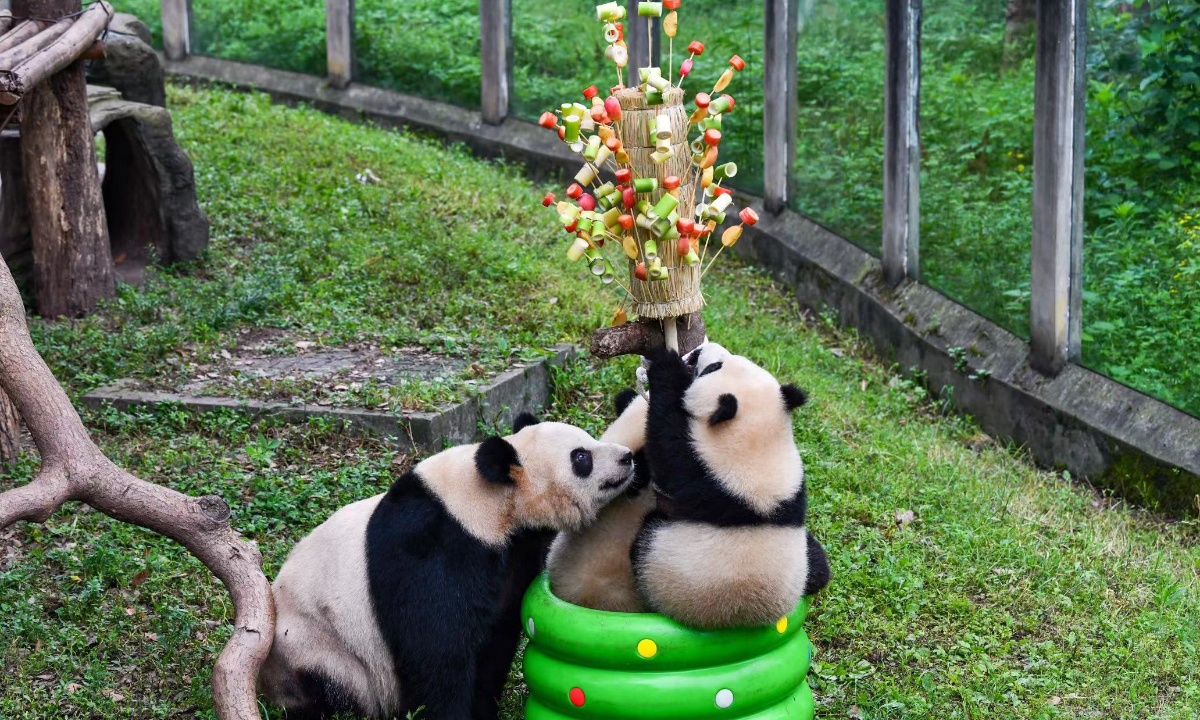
pixel 581 462
pixel 712 368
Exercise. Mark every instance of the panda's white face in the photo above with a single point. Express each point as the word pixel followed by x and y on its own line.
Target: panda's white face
pixel 742 427
pixel 565 476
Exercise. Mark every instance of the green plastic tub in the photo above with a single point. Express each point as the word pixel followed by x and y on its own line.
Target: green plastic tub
pixel 583 663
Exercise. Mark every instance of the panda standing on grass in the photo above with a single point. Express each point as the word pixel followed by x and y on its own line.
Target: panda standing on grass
pixel 411 599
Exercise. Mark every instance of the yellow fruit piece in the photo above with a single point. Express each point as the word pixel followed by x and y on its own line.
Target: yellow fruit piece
pixel 629 245
pixel 622 157
pixel 619 318
pixel 729 237
pixel 723 81
pixel 670 24
pixel 699 115
pixel 710 157
pixel 706 177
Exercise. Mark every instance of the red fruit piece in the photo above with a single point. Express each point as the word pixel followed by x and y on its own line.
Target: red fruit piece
pixel 712 136
pixel 748 216
pixel 587 202
pixel 702 100
pixel 629 197
pixel 639 272
pixel 682 245
pixel 612 106
pixel 686 226
pixel 548 120
pixel 625 220
pixel 671 182
pixel 685 67
pixel 590 92
pixel 548 200
pixel 574 191
pixel 696 47
pixel 737 63
pixel 624 175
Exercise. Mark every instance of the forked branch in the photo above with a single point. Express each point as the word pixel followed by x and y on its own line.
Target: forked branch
pixel 73 468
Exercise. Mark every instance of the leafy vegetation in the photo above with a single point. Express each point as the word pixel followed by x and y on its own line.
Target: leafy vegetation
pixel 1012 593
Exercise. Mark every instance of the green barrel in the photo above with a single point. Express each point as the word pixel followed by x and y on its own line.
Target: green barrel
pixel 583 663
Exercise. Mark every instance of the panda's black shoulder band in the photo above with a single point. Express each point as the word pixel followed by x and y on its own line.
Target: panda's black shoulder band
pixel 494 460
pixel 624 399
pixel 793 397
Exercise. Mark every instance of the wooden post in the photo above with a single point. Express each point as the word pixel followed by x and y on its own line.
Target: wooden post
pixel 636 38
pixel 339 41
pixel 10 432
pixel 1056 272
pixel 72 261
pixel 902 143
pixel 177 28
pixel 495 49
pixel 780 24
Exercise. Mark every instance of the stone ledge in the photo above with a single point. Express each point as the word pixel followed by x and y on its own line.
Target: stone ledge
pixel 1093 426
pixel 515 391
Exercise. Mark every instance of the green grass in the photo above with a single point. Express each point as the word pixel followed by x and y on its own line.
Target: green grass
pixel 1013 594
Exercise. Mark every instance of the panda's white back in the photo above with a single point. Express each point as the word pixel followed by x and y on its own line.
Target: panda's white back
pixel 325 621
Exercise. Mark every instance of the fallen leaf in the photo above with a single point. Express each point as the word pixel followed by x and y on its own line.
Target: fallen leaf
pixel 1054 700
pixel 152 636
pixel 863 385
pixel 904 517
pixel 854 712
pixel 45 677
pixel 116 697
pixel 129 611
pixel 305 344
pixel 141 577
pixel 74 688
pixel 838 352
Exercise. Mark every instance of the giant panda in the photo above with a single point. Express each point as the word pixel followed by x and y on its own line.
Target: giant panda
pixel 412 598
pixel 590 566
pixel 726 545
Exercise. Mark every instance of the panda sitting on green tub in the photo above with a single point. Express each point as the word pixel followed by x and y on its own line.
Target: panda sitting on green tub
pixel 720 539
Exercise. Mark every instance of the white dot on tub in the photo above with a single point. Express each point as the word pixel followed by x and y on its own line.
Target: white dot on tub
pixel 724 698
pixel 531 628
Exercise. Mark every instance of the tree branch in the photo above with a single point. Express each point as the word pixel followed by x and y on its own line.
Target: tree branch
pixel 73 468
pixel 642 336
pixel 61 52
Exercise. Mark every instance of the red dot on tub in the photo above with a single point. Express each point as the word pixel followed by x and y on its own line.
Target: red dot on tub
pixel 577 698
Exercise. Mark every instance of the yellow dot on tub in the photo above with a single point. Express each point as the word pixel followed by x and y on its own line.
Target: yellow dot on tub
pixel 781 626
pixel 647 648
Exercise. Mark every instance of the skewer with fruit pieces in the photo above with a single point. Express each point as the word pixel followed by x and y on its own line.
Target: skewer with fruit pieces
pixel 608 218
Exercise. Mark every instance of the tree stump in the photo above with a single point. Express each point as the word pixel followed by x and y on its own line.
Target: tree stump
pixel 72 265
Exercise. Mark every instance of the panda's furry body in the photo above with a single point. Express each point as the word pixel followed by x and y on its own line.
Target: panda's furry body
pixel 726 544
pixel 411 598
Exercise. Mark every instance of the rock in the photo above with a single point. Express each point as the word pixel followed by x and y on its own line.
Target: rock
pixel 130 65
pixel 149 185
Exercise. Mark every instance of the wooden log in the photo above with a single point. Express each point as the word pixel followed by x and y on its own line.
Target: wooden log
pixel 495 56
pixel 339 42
pixel 20 32
pixel 65 50
pixel 781 18
pixel 1059 98
pixel 642 336
pixel 10 432
pixel 16 55
pixel 902 143
pixel 72 261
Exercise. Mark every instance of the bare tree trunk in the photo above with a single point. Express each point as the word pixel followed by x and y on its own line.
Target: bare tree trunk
pixel 73 468
pixel 71 255
pixel 638 338
pixel 10 432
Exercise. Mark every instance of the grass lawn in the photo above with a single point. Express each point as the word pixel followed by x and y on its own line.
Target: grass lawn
pixel 1011 594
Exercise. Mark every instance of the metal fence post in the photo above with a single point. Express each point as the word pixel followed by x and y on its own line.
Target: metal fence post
pixel 1056 272
pixel 339 41
pixel 902 143
pixel 177 28
pixel 781 19
pixel 636 39
pixel 495 49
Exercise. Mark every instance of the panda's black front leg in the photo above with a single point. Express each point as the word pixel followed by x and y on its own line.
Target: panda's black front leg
pixel 818 567
pixel 667 420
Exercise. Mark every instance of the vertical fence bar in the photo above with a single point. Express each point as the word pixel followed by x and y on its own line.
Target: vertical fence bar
pixel 1056 272
pixel 636 38
pixel 339 42
pixel 177 28
pixel 902 143
pixel 495 49
pixel 781 22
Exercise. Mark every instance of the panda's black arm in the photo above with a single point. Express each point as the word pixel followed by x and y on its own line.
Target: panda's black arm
pixel 667 422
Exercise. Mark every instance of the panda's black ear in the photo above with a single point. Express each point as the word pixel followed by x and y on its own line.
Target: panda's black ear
pixel 523 421
pixel 727 407
pixel 623 400
pixel 494 460
pixel 793 397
